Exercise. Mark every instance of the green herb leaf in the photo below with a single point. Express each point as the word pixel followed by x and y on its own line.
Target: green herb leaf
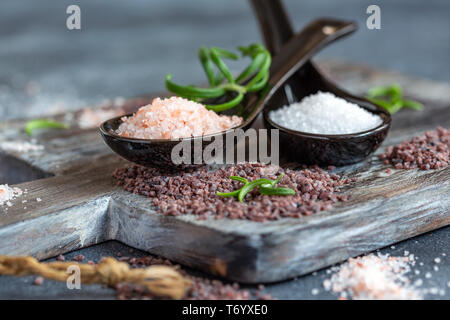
pixel 266 187
pixel 412 104
pixel 205 60
pixel 215 57
pixel 279 191
pixel 240 179
pixel 391 98
pixel 277 180
pixel 43 124
pixel 250 186
pixel 228 194
pixel 191 91
pixel 222 85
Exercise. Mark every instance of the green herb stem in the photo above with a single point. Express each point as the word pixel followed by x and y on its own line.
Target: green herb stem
pixel 266 187
pixel 391 98
pixel 254 78
pixel 43 124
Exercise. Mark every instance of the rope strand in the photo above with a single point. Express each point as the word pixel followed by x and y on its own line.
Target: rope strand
pixel 162 281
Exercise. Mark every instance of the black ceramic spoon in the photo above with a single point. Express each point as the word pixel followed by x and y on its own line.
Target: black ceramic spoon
pixel 305 147
pixel 298 50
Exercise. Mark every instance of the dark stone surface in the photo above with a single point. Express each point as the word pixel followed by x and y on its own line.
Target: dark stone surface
pixel 126 47
pixel 426 247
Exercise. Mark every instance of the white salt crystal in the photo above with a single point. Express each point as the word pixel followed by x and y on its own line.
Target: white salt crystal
pixel 8 193
pixel 315 292
pixel 437 260
pixel 38 199
pixel 428 275
pixel 324 113
pixel 20 146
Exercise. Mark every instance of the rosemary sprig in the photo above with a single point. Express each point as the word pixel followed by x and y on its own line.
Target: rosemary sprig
pixel 32 125
pixel 266 187
pixel 391 98
pixel 222 83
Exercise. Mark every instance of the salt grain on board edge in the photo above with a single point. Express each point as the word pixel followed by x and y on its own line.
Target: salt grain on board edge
pixel 8 193
pixel 194 191
pixel 429 151
pixel 374 277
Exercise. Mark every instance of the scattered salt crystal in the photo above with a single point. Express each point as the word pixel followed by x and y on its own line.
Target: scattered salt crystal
pixel 38 199
pixel 436 268
pixel 417 272
pixel 434 290
pixel 324 113
pixel 24 201
pixel 418 282
pixel 20 146
pixel 327 284
pixel 428 275
pixel 91 118
pixel 437 260
pixel 175 118
pixel 392 247
pixel 315 292
pixel 8 193
pixel 448 284
pixel 406 253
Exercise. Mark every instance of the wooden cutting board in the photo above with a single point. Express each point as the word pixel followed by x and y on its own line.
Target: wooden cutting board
pixel 81 206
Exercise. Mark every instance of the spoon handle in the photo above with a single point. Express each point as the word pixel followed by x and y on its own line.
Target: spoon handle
pixel 274 23
pixel 300 48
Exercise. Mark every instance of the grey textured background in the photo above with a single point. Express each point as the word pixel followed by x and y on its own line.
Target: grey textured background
pixel 125 48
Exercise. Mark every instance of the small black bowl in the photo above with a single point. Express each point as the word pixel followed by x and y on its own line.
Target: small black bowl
pixel 331 149
pixel 158 152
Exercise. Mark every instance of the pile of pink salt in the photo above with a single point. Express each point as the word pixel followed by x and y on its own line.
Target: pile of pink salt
pixel 8 193
pixel 91 118
pixel 174 118
pixel 374 277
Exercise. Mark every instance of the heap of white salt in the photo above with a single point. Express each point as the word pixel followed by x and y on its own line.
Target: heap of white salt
pixel 324 113
pixel 174 118
pixel 374 277
pixel 8 193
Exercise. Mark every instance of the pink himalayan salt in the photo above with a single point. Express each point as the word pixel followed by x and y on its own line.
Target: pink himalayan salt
pixel 374 277
pixel 174 118
pixel 89 118
pixel 8 193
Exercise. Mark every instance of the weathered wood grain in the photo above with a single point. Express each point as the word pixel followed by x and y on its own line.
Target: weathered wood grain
pixel 81 206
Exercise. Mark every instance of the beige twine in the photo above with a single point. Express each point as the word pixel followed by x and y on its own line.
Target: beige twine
pixel 162 281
